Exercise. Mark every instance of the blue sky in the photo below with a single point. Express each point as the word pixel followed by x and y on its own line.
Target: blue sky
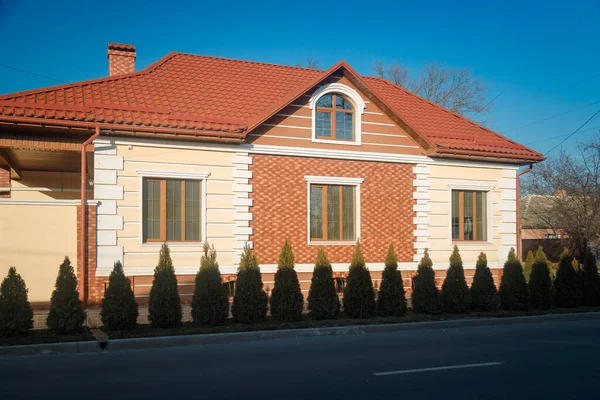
pixel 531 54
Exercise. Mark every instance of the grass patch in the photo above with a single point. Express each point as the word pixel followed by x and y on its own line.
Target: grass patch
pixel 305 323
pixel 45 336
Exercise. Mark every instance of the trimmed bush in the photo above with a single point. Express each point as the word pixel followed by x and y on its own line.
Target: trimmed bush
pixel 66 311
pixel 456 297
pixel 391 300
pixel 425 297
pixel 590 281
pixel 514 293
pixel 484 295
pixel 323 300
pixel 529 260
pixel 164 307
pixel 540 282
pixel 359 295
pixel 119 309
pixel 16 316
pixel 565 284
pixel 210 303
pixel 287 301
pixel 250 301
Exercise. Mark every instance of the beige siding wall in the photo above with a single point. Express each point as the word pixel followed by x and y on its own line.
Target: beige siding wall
pixel 39 185
pixel 121 167
pixel 35 238
pixel 500 183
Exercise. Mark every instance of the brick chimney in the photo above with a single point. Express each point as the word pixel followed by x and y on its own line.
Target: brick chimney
pixel 121 59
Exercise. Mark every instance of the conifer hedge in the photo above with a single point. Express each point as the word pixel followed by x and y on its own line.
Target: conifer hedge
pixel 66 311
pixel 164 306
pixel 565 284
pixel 210 303
pixel 540 282
pixel 456 297
pixel 514 293
pixel 359 295
pixel 391 300
pixel 425 297
pixel 484 295
pixel 287 301
pixel 591 281
pixel 250 300
pixel 528 266
pixel 16 316
pixel 323 300
pixel 119 309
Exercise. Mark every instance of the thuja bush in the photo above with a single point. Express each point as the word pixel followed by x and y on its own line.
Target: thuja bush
pixel 391 300
pixel 540 282
pixel 323 300
pixel 484 295
pixel 210 303
pixel 16 316
pixel 287 301
pixel 119 309
pixel 359 295
pixel 514 293
pixel 164 306
pixel 66 311
pixel 456 297
pixel 249 300
pixel 590 281
pixel 565 284
pixel 527 267
pixel 425 297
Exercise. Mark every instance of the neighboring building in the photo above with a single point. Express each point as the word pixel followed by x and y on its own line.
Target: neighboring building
pixel 195 148
pixel 538 227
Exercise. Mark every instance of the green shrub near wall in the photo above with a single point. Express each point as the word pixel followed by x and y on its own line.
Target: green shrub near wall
pixel 250 301
pixel 484 295
pixel 164 306
pixel 287 301
pixel 456 297
pixel 391 300
pixel 590 281
pixel 540 282
pixel 359 295
pixel 565 284
pixel 66 311
pixel 210 303
pixel 425 297
pixel 514 293
pixel 323 300
pixel 528 266
pixel 16 315
pixel 119 309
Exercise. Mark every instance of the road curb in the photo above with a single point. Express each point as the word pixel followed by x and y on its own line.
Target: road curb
pixel 238 337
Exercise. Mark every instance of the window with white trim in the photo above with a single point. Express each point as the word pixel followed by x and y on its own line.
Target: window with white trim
pixel 469 215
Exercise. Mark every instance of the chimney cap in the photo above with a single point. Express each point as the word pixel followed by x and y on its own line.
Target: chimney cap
pixel 121 47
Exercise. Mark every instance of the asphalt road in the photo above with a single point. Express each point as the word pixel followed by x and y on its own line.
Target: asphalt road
pixel 552 360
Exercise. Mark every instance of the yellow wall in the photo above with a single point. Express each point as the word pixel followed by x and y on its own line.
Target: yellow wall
pixel 39 185
pixel 35 239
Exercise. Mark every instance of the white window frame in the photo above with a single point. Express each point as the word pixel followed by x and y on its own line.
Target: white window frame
pixel 199 176
pixel 353 97
pixel 333 180
pixel 476 188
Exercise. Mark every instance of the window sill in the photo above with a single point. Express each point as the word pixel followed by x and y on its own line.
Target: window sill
pixel 336 141
pixel 471 242
pixel 333 243
pixel 173 244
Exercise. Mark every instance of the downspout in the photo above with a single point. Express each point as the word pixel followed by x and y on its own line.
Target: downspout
pixel 83 223
pixel 525 171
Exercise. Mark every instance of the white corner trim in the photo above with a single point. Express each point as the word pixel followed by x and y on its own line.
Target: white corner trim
pixel 192 175
pixel 151 173
pixel 357 102
pixel 333 180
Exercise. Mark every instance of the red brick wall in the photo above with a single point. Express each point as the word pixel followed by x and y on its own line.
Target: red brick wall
pixel 94 286
pixel 279 193
pixel 4 181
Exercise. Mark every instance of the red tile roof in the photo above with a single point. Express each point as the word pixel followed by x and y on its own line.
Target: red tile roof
pixel 220 98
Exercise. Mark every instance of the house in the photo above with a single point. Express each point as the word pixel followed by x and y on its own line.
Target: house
pixel 195 148
pixel 539 227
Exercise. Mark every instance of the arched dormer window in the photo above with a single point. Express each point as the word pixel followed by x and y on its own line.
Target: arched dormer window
pixel 334 118
pixel 336 114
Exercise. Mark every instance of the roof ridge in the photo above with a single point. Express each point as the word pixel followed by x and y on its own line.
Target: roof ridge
pixel 150 68
pixel 249 61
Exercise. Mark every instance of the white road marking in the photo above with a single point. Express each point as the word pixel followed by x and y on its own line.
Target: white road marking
pixel 411 371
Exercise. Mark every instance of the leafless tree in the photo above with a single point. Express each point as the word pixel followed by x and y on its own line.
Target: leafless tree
pixel 571 183
pixel 454 88
pixel 310 64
